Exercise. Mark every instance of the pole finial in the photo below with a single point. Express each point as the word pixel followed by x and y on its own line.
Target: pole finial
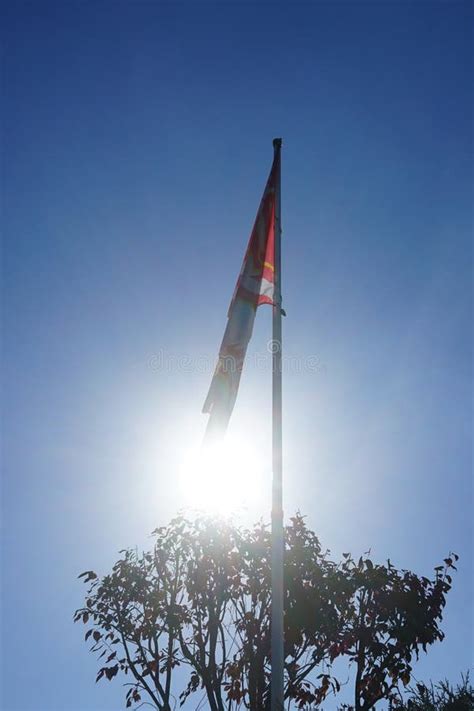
pixel 277 143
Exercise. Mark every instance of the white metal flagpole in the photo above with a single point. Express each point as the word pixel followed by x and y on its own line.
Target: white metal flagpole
pixel 277 629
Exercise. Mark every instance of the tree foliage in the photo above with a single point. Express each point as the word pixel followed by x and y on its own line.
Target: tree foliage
pixel 441 697
pixel 200 601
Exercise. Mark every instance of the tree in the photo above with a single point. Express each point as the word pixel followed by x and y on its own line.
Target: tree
pixel 200 601
pixel 441 697
pixel 393 614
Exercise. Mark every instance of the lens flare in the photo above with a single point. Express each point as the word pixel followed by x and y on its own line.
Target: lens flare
pixel 222 478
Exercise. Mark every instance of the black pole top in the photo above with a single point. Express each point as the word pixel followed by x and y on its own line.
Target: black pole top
pixel 277 143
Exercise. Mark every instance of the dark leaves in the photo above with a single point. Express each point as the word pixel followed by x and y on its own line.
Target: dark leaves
pixel 206 587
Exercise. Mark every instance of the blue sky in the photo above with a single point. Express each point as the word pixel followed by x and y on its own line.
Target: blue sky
pixel 136 143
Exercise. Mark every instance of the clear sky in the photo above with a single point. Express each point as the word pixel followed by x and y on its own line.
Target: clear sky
pixel 136 143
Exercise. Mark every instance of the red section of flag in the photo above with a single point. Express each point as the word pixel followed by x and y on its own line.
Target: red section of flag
pixel 257 275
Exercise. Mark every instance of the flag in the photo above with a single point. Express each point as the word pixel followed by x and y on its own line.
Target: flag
pixel 255 286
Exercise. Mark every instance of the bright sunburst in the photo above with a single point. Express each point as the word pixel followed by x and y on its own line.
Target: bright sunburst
pixel 222 478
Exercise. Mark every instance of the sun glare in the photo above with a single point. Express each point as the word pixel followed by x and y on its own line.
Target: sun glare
pixel 223 478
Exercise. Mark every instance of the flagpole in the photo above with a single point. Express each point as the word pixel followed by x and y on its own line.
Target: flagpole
pixel 277 629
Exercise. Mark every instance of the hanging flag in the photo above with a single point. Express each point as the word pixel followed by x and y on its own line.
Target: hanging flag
pixel 255 286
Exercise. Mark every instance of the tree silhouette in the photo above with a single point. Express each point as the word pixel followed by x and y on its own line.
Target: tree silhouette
pixel 441 697
pixel 200 601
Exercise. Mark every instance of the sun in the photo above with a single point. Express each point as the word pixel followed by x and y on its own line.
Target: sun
pixel 222 479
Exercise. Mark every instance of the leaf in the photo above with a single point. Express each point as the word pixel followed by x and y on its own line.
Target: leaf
pixel 405 677
pixel 110 672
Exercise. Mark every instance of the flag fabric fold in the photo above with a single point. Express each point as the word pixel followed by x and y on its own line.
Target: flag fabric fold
pixel 255 286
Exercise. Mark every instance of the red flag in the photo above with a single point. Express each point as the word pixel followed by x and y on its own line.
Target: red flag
pixel 255 286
